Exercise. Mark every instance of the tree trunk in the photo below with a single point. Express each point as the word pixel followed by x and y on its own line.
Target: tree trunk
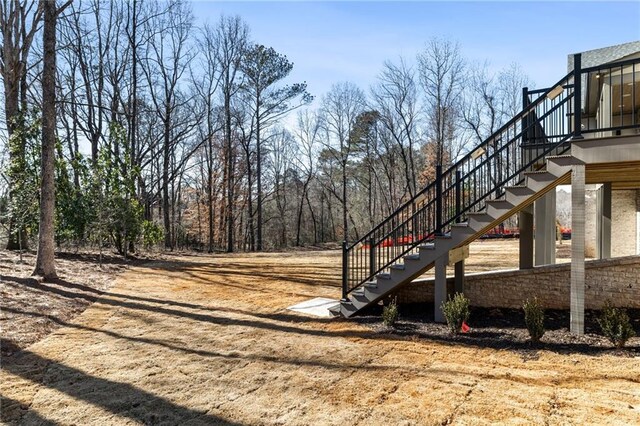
pixel 227 108
pixel 313 220
pixel 252 233
pixel 134 84
pixel 345 225
pixel 259 182
pixel 210 192
pixel 300 207
pixel 165 183
pixel 45 265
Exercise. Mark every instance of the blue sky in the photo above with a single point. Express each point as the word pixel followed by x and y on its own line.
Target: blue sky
pixel 336 41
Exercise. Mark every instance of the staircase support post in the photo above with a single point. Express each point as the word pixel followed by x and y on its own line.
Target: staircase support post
pixel 603 222
pixel 525 154
pixel 525 222
pixel 345 269
pixel 438 199
pixel 458 196
pixel 372 257
pixel 577 96
pixel 577 248
pixel 440 287
pixel 459 277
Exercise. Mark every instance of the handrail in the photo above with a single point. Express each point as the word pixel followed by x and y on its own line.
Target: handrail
pixel 518 117
pixel 543 126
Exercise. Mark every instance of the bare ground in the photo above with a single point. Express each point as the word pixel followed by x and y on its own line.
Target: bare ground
pixel 30 311
pixel 207 340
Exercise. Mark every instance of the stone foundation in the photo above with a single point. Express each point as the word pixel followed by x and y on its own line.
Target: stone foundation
pixel 617 280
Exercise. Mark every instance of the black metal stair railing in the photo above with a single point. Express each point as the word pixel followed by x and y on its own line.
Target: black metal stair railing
pixel 542 128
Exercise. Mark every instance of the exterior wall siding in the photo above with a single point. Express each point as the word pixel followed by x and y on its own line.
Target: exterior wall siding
pixel 624 228
pixel 623 223
pixel 617 280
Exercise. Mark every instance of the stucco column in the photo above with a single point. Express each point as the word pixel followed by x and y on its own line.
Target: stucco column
pixel 545 229
pixel 603 222
pixel 577 248
pixel 440 287
pixel 525 222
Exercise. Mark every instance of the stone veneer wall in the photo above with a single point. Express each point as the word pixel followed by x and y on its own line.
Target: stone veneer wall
pixel 617 280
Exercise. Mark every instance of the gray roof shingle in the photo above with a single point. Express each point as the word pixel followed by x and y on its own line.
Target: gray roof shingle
pixel 594 57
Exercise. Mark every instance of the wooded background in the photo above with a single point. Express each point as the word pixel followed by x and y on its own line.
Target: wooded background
pixel 194 137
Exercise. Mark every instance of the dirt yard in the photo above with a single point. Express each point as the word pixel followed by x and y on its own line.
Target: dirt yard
pixel 208 340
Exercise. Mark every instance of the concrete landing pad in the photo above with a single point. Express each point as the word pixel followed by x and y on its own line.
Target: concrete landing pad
pixel 318 307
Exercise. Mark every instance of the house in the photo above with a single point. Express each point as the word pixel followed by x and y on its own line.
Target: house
pixel 582 131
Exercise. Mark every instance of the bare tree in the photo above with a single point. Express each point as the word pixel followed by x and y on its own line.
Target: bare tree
pixel 340 108
pixel 307 132
pixel 282 151
pixel 511 81
pixel 441 70
pixel 481 110
pixel 231 40
pixel 167 59
pixel 207 83
pixel 395 98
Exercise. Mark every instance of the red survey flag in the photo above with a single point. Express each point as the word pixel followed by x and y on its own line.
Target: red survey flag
pixel 465 328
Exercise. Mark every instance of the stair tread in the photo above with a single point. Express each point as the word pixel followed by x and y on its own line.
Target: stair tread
pixel 535 172
pixel 519 188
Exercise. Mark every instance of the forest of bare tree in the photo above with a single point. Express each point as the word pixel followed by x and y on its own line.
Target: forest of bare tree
pixel 156 130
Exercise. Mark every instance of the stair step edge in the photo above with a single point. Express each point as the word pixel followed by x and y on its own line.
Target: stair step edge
pixel 535 172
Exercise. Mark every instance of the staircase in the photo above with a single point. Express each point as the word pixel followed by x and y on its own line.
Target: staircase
pixel 411 266
pixel 515 166
pixel 523 160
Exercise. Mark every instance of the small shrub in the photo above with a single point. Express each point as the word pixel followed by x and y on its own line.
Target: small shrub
pixel 456 311
pixel 390 314
pixel 534 318
pixel 615 325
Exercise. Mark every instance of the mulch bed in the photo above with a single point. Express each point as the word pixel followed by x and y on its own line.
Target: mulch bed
pixel 505 329
pixel 30 309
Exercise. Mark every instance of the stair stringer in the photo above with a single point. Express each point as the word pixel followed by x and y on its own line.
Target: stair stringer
pixel 516 198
